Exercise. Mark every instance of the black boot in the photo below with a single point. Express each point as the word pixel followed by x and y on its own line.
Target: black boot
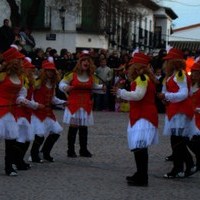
pixel 194 146
pixel 140 178
pixel 83 135
pixel 36 149
pixel 9 157
pixel 48 145
pixel 20 152
pixel 71 142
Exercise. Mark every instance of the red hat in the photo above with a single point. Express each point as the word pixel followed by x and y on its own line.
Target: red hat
pixel 196 66
pixel 140 58
pixel 48 65
pixel 174 54
pixel 84 53
pixel 27 63
pixel 11 54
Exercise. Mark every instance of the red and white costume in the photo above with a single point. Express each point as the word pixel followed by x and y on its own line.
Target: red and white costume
pixel 79 108
pixel 196 104
pixel 143 123
pixel 179 111
pixel 43 121
pixel 24 113
pixel 9 89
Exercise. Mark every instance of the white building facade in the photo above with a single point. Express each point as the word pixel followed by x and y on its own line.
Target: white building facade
pixel 145 24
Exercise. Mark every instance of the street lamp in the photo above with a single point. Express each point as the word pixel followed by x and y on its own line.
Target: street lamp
pixel 62 17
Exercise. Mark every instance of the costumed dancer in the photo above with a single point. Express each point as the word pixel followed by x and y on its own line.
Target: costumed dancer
pixel 142 129
pixel 176 94
pixel 194 143
pixel 44 123
pixel 10 85
pixel 23 114
pixel 78 113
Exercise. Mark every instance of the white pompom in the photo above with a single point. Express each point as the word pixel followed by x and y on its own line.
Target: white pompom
pixel 168 48
pixel 50 59
pixel 14 46
pixel 135 51
pixel 28 59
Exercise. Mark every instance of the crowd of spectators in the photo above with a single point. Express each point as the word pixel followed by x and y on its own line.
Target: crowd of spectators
pixel 109 64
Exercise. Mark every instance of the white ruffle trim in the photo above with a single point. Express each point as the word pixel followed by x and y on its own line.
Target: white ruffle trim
pixel 25 130
pixel 179 125
pixel 80 117
pixel 8 127
pixel 142 134
pixel 43 128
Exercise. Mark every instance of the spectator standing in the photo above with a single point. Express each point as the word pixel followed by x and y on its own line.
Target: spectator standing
pixel 7 36
pixel 105 75
pixel 28 39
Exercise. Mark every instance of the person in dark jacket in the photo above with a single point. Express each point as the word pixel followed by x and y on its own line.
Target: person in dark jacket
pixel 6 36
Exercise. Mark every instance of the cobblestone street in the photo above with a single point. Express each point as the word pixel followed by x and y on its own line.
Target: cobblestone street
pixel 101 177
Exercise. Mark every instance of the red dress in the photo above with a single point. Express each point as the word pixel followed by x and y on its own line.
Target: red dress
pixel 80 96
pixel 9 92
pixel 196 103
pixel 44 96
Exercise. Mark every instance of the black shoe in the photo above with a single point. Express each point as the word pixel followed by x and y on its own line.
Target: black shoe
pixel 48 158
pixel 191 171
pixel 11 172
pixel 169 158
pixel 137 180
pixel 174 174
pixel 35 159
pixel 129 178
pixel 138 183
pixel 85 153
pixel 71 154
pixel 23 166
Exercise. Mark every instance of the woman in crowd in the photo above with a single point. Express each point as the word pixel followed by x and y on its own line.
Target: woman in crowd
pixel 179 113
pixel 10 85
pixel 43 121
pixel 78 114
pixel 142 127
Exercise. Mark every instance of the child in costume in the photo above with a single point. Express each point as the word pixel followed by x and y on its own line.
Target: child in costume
pixel 78 114
pixel 44 123
pixel 142 128
pixel 179 125
pixel 10 85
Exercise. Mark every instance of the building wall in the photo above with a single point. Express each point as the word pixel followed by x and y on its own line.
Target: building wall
pixel 4 10
pixel 62 40
pixel 192 34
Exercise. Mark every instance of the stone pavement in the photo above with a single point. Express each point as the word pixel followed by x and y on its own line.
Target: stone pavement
pixel 101 177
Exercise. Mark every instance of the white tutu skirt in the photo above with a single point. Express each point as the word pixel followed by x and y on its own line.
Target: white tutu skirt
pixel 142 134
pixel 80 117
pixel 43 128
pixel 25 130
pixel 8 127
pixel 179 125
